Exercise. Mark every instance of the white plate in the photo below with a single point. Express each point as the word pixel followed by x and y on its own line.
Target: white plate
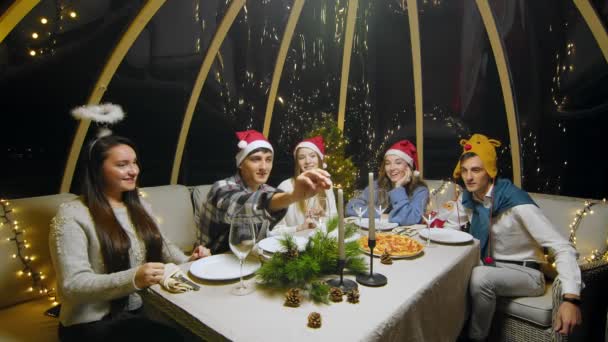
pixel 222 267
pixel 446 235
pixel 384 226
pixel 273 244
pixel 416 226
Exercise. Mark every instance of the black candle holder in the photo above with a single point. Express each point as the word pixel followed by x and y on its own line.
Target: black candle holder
pixel 346 285
pixel 371 279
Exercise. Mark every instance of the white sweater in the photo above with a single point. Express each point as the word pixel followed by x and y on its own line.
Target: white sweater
pixel 519 233
pixel 83 287
pixel 294 216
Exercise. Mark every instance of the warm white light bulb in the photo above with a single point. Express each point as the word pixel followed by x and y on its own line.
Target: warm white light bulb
pixel 44 20
pixel 73 14
pixel 35 35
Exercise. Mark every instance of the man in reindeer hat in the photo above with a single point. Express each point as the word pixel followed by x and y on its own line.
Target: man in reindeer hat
pixel 247 192
pixel 511 230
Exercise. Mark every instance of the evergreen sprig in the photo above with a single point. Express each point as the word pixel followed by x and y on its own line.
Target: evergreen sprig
pixel 319 258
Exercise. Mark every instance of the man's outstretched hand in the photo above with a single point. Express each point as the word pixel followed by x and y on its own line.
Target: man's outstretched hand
pixel 309 183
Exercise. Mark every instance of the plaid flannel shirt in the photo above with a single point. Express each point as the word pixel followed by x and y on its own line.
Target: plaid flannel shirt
pixel 227 198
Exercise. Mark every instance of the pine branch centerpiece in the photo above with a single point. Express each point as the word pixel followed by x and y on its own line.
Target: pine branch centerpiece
pixel 304 270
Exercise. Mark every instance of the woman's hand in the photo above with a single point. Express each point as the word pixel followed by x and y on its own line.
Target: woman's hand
pixel 199 252
pixel 309 223
pixel 149 274
pixel 405 180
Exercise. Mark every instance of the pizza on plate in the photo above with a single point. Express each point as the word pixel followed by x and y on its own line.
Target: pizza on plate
pixel 397 245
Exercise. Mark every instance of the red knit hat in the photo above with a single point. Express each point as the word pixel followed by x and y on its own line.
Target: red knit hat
pixel 249 141
pixel 316 144
pixel 407 151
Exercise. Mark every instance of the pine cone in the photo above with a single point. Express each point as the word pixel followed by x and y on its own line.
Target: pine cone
pixel 293 298
pixel 335 294
pixel 314 320
pixel 386 258
pixel 353 296
pixel 291 254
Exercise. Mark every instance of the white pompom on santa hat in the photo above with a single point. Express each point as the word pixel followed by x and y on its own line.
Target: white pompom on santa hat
pixel 316 144
pixel 248 141
pixel 406 151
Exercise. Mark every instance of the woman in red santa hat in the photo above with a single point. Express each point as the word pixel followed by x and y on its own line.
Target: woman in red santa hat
pixel 398 175
pixel 309 155
pixel 247 191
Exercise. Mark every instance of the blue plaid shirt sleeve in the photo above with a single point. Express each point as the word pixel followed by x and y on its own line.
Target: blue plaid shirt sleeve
pixel 226 199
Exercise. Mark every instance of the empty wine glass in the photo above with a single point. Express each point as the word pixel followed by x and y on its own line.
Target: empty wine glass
pixel 428 217
pixel 241 241
pixel 359 206
pixel 381 203
pixel 318 210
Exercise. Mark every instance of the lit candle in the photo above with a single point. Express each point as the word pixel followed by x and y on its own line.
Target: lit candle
pixel 370 208
pixel 341 225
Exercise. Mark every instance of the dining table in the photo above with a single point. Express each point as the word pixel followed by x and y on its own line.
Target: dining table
pixel 425 299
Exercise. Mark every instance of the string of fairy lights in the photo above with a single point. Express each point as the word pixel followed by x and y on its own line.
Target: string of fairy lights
pixel 596 254
pixel 21 253
pixel 442 188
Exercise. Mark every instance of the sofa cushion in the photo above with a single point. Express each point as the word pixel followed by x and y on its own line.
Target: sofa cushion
pixel 172 208
pixel 34 215
pixel 199 196
pixel 27 322
pixel 532 309
pixel 561 210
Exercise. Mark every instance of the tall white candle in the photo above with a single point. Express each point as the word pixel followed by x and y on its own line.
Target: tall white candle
pixel 341 252
pixel 370 208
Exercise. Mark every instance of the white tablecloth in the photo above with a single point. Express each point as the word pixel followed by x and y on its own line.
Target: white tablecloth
pixel 424 300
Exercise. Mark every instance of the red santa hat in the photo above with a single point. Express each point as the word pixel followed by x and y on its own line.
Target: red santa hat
pixel 248 141
pixel 316 144
pixel 405 150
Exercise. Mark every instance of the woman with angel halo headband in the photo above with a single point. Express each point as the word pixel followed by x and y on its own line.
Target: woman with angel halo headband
pixel 106 246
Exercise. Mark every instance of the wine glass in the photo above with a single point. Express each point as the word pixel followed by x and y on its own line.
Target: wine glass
pixel 241 241
pixel 428 217
pixel 359 206
pixel 381 203
pixel 318 209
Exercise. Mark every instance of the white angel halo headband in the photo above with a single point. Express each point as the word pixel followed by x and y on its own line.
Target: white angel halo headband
pixel 104 114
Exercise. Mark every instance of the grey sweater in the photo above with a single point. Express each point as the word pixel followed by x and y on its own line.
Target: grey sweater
pixel 83 287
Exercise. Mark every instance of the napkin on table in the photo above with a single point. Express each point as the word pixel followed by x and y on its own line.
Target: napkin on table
pixel 175 281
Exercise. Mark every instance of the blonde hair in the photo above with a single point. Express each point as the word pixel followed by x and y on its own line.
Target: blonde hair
pixel 301 205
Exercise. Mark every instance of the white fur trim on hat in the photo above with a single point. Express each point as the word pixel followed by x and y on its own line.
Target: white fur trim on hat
pixel 250 147
pixel 308 144
pixel 401 155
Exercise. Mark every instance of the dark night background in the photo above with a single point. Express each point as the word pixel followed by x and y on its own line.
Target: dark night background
pixel 559 75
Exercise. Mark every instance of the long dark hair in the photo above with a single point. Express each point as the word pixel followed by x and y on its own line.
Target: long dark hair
pixel 113 239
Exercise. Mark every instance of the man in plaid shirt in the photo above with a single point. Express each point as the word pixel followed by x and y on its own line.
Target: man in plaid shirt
pixel 247 194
